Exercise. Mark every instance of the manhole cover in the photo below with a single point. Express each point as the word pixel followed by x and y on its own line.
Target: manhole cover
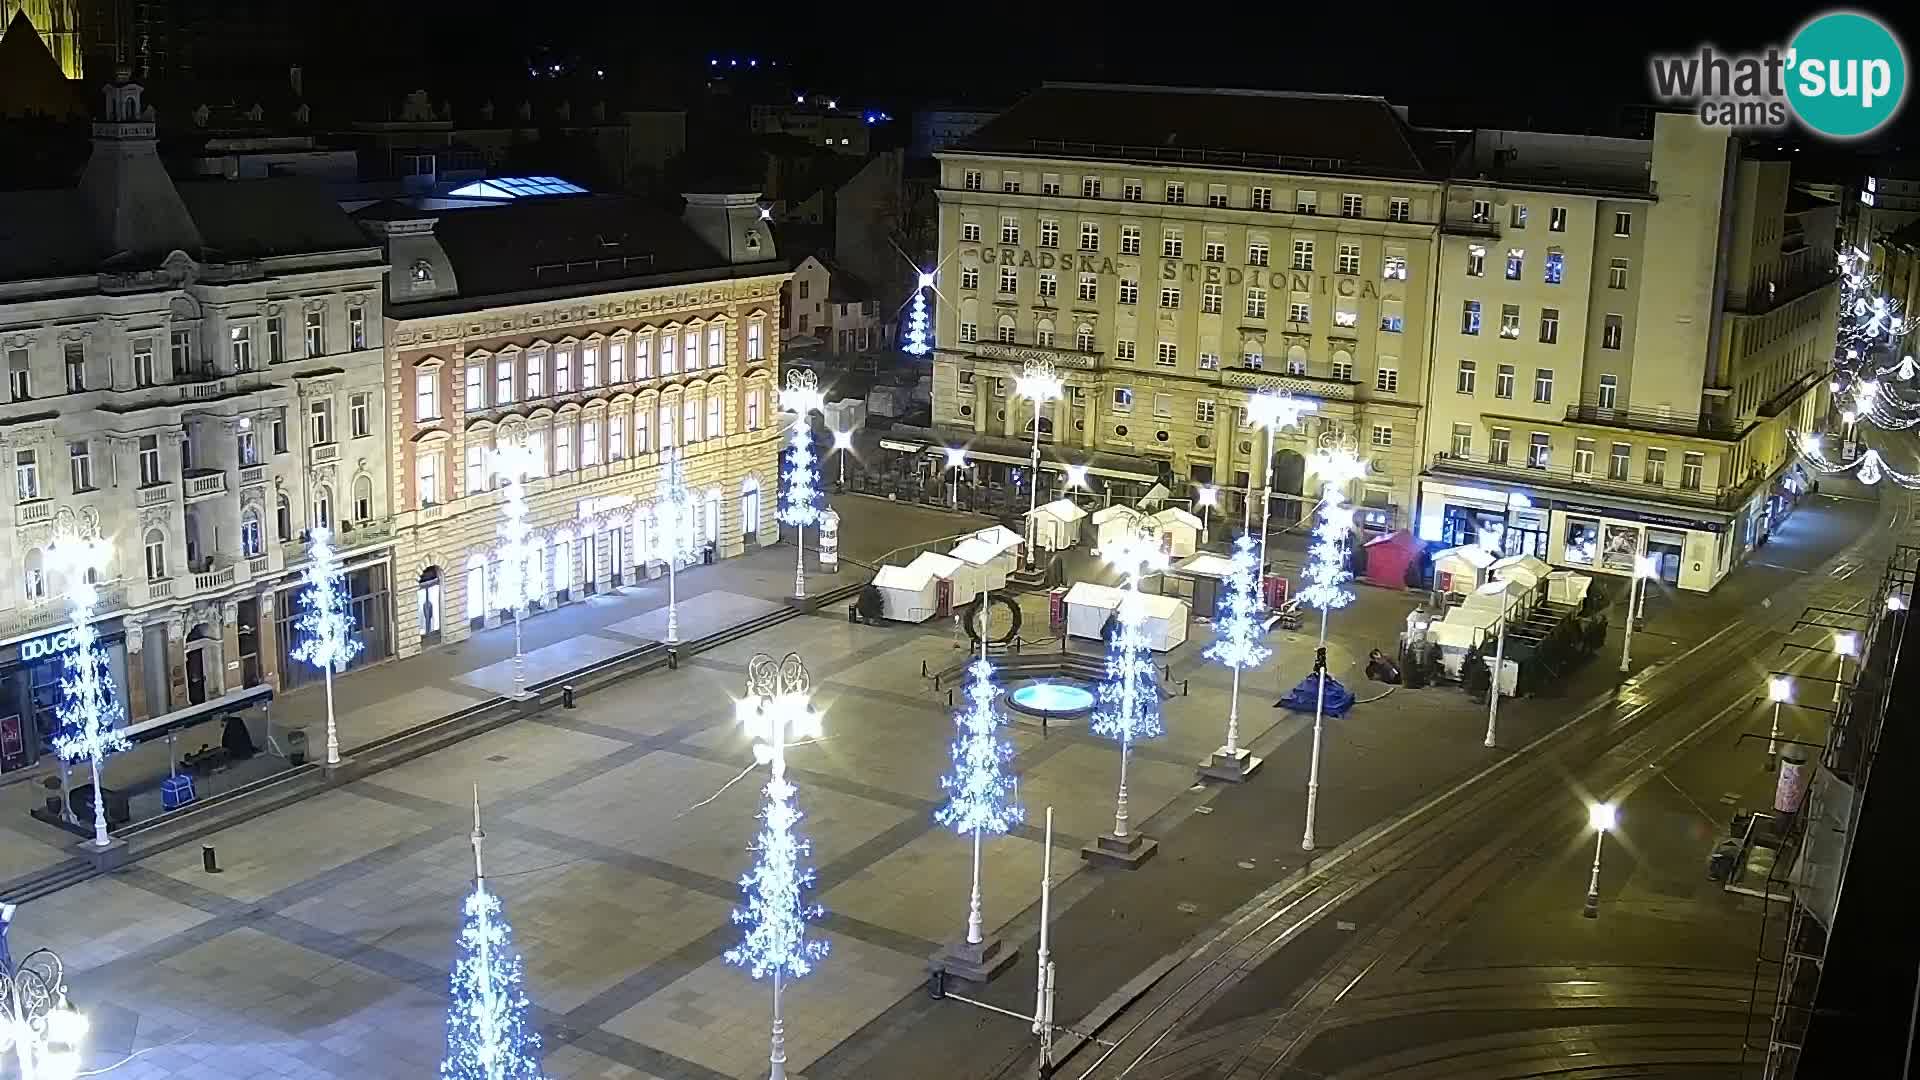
pixel 497 757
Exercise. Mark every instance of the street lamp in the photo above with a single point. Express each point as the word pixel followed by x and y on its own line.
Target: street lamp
pixel 673 512
pixel 1038 384
pixel 1135 555
pixel 1896 602
pixel 842 445
pixel 1845 643
pixel 514 586
pixel 1077 477
pixel 1780 691
pixel 1209 495
pixel 1603 817
pixel 801 397
pixel 1272 410
pixel 956 460
pixel 1337 464
pixel 1644 567
pixel 36 1020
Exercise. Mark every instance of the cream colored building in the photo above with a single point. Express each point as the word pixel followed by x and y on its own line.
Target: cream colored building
pixel 1626 330
pixel 1172 252
pixel 598 332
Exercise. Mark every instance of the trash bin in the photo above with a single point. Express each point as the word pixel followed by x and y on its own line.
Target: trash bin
pixel 297 746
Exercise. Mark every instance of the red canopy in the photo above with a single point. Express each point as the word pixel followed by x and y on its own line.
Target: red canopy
pixel 1389 556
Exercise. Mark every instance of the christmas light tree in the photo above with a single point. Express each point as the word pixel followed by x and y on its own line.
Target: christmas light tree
pixel 89 713
pixel 917 343
pixel 800 471
pixel 1237 644
pixel 514 587
pixel 1129 708
pixel 1337 466
pixel 326 624
pixel 981 798
pixel 487 1032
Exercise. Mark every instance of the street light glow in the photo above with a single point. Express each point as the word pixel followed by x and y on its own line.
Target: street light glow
pixel 1896 602
pixel 1271 409
pixel 1846 643
pixel 843 440
pixel 1603 816
pixel 1645 566
pixel 1208 494
pixel 956 457
pixel 1780 688
pixel 1076 476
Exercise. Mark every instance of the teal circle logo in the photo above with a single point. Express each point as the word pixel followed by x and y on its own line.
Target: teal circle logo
pixel 1847 74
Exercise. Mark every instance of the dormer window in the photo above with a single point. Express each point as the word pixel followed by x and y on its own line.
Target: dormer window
pixel 422 272
pixel 753 239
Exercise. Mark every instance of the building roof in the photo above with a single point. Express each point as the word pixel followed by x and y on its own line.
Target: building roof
pixel 30 78
pixel 1232 128
pixel 1800 200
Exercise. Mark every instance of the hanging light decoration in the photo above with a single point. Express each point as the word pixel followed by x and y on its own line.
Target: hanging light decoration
pixel 1869 468
pixel 918 341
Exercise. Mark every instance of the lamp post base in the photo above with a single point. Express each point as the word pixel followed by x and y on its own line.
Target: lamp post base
pixel 1234 768
pixel 111 857
pixel 1124 854
pixel 1591 909
pixel 974 962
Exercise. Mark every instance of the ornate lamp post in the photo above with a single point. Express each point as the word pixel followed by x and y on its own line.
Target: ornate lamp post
pixel 1845 643
pixel 1038 384
pixel 1271 410
pixel 1337 463
pixel 673 512
pixel 801 397
pixel 1603 817
pixel 89 713
pixel 1644 567
pixel 1207 496
pixel 516 587
pixel 843 445
pixel 1129 696
pixel 1780 692
pixel 956 460
pixel 37 1023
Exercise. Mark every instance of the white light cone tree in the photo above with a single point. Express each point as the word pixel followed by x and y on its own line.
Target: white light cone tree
pixel 775 944
pixel 515 586
pixel 326 626
pixel 89 712
pixel 918 340
pixel 1237 644
pixel 1336 464
pixel 800 473
pixel 1129 708
pixel 673 511
pixel 982 800
pixel 488 1037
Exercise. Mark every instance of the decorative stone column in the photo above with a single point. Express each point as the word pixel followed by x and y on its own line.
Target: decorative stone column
pixel 267 638
pixel 137 707
pixel 177 657
pixel 231 667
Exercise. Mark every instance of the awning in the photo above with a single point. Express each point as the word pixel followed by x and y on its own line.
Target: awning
pixel 902 446
pixel 226 704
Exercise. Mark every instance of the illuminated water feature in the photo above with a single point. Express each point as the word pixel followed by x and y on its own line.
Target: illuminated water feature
pixel 1051 699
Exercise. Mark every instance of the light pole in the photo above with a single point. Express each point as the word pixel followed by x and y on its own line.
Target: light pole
pixel 801 397
pixel 1130 710
pixel 673 530
pixel 1499 667
pixel 1845 643
pixel 516 587
pixel 1780 691
pixel 1038 384
pixel 1338 464
pixel 1207 496
pixel 842 445
pixel 1643 568
pixel 1603 817
pixel 956 460
pixel 89 713
pixel 38 1023
pixel 326 627
pixel 1272 410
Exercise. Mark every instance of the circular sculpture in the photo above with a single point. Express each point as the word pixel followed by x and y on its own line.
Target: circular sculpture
pixel 1051 700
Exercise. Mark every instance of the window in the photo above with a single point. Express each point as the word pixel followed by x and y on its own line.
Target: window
pixel 1009 230
pixel 283 518
pixel 1549 326
pixel 1216 196
pixel 1089 236
pixel 1656 466
pixel 239 345
pixel 1503 381
pixel 1617 274
pixel 1089 288
pixel 1306 202
pixel 1296 366
pixel 1133 191
pixel 1209 361
pixel 756 340
pixel 617 431
pixel 1692 464
pixel 1622 223
pixel 363 498
pixel 477 478
pixel 180 350
pixel 563 446
pixel 1123 350
pixel 1556 266
pixel 1049 286
pixel 1299 311
pixel 1129 239
pixel 1163 406
pixel 1256 303
pixel 1482 210
pixel 1009 279
pixel 1343 370
pixel 1010 183
pixel 1463 440
pixel 1006 333
pixel 1516 263
pixel 1122 399
pixel 1049 233
pixel 426 397
pixel 1470 317
pixel 1542 386
pixel 1619 463
pixel 1049 184
pixel 1216 251
pixel 1345 316
pixel 969 277
pixel 1043 334
pixel 1518 216
pixel 1129 291
pixel 1387 380
pixel 1257 254
pixel 503 383
pixel 357 327
pixel 590 438
pixel 1303 254
pixel 1583 457
pixel 1252 357
pixel 1349 259
pixel 1262 198
pixel 1210 299
pixel 969 332
pixel 1463 379
pixel 1611 330
pixel 1509 320
pixel 563 363
pixel 1476 260
pixel 280 431
pixel 1176 192
pixel 1399 209
pixel 1352 205
pixel 150 473
pixel 590 362
pixel 252 537
pixel 972 180
pixel 476 386
pixel 1557 219
pixel 1171 244
pixel 26 475
pixel 969 233
pixel 1169 298
pixel 1083 338
pixel 1540 451
pixel 319 423
pixel 1383 434
pixel 156 553
pixel 143 374
pixel 1203 412
pixel 276 339
pixel 19 377
pixel 360 414
pixel 1497 445
pixel 1609 390
pixel 1089 187
pixel 1169 354
pixel 80 465
pixel 1392 322
pixel 316 333
pixel 1393 268
pixel 641 425
pixel 426 475
pixel 536 375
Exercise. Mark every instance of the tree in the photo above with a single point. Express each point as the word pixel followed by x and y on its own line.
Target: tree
pixel 980 792
pixel 326 626
pixel 487 1033
pixel 1238 633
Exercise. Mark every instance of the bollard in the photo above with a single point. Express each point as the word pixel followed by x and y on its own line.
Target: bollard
pixel 673 659
pixel 937 984
pixel 949 699
pixel 208 861
pixel 566 696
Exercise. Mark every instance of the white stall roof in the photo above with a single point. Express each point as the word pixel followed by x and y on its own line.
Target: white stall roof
pixel 1114 511
pixel 1536 569
pixel 977 551
pixel 936 564
pixel 1480 558
pixel 1089 594
pixel 1206 564
pixel 1162 607
pixel 1173 515
pixel 912 577
pixel 1065 509
pixel 999 536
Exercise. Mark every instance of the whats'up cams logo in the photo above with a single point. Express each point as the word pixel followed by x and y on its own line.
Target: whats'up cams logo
pixel 1844 75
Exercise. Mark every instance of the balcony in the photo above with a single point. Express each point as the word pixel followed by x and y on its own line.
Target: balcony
pixel 53 612
pixel 33 513
pixel 1061 358
pixel 349 536
pixel 1766 296
pixel 155 494
pixel 1655 420
pixel 160 589
pixel 323 453
pixel 203 483
pixel 1298 385
pixel 1563 478
pixel 253 475
pixel 218 577
pixel 259 566
pixel 1468 225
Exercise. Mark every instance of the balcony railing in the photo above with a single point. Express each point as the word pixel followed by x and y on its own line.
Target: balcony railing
pixel 1671 423
pixel 53 612
pixel 204 482
pixel 324 453
pixel 1467 225
pixel 1565 478
pixel 218 578
pixel 33 513
pixel 258 566
pixel 160 589
pixel 253 474
pixel 1766 296
pixel 1301 385
pixel 347 536
pixel 155 494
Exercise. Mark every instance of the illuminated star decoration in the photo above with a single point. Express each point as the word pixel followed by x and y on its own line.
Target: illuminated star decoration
pixel 326 626
pixel 1238 633
pixel 776 915
pixel 1327 565
pixel 89 713
pixel 917 343
pixel 487 1033
pixel 980 792
pixel 800 476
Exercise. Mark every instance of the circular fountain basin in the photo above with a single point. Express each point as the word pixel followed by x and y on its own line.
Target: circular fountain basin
pixel 1051 700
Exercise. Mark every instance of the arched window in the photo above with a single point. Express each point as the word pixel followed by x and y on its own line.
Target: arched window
pixel 476 588
pixel 427 604
pixel 536 571
pixel 252 540
pixel 1006 332
pixel 1043 333
pixel 750 506
pixel 35 583
pixel 156 547
pixel 322 508
pixel 363 498
pixel 283 517
pixel 1296 360
pixel 1083 337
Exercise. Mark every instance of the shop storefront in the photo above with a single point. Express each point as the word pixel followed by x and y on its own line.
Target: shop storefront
pixel 370 604
pixel 1688 554
pixel 1505 521
pixel 30 673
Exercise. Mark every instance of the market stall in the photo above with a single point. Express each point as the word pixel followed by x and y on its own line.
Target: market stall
pixel 1057 525
pixel 1089 606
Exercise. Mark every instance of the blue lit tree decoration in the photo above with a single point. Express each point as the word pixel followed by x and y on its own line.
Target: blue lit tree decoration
pixel 917 343
pixel 326 624
pixel 800 473
pixel 1338 465
pixel 776 914
pixel 982 799
pixel 89 712
pixel 487 1033
pixel 1237 644
pixel 1129 695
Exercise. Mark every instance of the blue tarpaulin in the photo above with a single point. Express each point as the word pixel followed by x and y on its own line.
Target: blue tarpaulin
pixel 1302 697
